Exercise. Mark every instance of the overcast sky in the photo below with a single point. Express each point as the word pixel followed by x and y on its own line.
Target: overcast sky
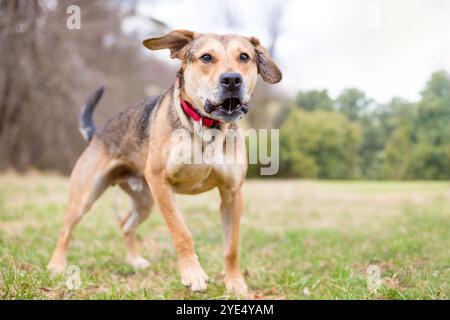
pixel 386 48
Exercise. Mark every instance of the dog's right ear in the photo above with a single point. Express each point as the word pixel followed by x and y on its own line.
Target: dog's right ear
pixel 175 41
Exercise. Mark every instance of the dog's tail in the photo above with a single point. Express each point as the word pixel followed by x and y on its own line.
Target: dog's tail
pixel 86 124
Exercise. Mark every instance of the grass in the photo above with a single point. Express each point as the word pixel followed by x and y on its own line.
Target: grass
pixel 300 240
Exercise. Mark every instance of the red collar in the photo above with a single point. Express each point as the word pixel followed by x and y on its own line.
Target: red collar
pixel 196 116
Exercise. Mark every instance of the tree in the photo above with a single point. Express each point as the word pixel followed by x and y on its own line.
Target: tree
pixel 353 103
pixel 321 144
pixel 418 145
pixel 314 100
pixel 377 128
pixel 371 148
pixel 397 154
pixel 432 130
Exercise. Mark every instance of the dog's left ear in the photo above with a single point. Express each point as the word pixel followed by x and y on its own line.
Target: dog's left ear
pixel 175 40
pixel 267 68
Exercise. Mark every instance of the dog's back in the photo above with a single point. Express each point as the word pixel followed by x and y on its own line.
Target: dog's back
pixel 123 135
pixel 127 131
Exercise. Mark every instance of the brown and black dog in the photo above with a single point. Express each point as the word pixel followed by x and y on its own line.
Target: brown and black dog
pixel 214 85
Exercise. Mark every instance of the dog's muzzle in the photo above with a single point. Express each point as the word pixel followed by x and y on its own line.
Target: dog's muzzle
pixel 231 106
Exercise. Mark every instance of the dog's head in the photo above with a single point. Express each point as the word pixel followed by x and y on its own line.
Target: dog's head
pixel 218 72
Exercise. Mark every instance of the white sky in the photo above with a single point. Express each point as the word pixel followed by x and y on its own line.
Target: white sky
pixel 386 48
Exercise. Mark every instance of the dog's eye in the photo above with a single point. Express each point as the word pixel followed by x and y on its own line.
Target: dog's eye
pixel 206 58
pixel 244 57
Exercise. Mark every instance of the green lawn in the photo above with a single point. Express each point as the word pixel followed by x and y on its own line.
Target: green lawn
pixel 299 240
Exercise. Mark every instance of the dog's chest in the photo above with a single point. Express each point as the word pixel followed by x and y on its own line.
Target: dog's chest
pixel 191 170
pixel 191 178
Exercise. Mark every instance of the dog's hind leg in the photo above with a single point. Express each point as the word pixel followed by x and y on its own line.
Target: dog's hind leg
pixel 141 205
pixel 88 181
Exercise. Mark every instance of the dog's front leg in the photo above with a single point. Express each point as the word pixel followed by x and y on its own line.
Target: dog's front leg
pixel 192 274
pixel 231 211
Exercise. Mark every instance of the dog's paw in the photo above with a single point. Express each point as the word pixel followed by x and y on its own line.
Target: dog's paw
pixel 139 263
pixel 235 284
pixel 57 267
pixel 193 277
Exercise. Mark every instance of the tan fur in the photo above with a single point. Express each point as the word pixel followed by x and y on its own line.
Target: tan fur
pixel 148 174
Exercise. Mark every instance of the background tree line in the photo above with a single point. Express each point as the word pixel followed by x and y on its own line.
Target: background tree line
pixel 354 137
pixel 47 71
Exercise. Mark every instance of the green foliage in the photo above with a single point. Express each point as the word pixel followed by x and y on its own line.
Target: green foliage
pixel 353 103
pixel 314 100
pixel 387 122
pixel 398 140
pixel 347 138
pixel 397 154
pixel 432 130
pixel 371 148
pixel 424 145
pixel 430 162
pixel 321 144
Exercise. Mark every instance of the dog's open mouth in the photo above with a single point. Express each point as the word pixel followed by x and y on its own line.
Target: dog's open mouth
pixel 230 104
pixel 229 109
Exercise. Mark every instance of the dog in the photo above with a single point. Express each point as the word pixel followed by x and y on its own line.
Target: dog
pixel 212 90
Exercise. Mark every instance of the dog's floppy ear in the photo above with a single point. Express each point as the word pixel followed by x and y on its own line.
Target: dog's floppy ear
pixel 175 40
pixel 266 66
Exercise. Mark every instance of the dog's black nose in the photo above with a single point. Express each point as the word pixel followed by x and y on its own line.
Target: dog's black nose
pixel 230 81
